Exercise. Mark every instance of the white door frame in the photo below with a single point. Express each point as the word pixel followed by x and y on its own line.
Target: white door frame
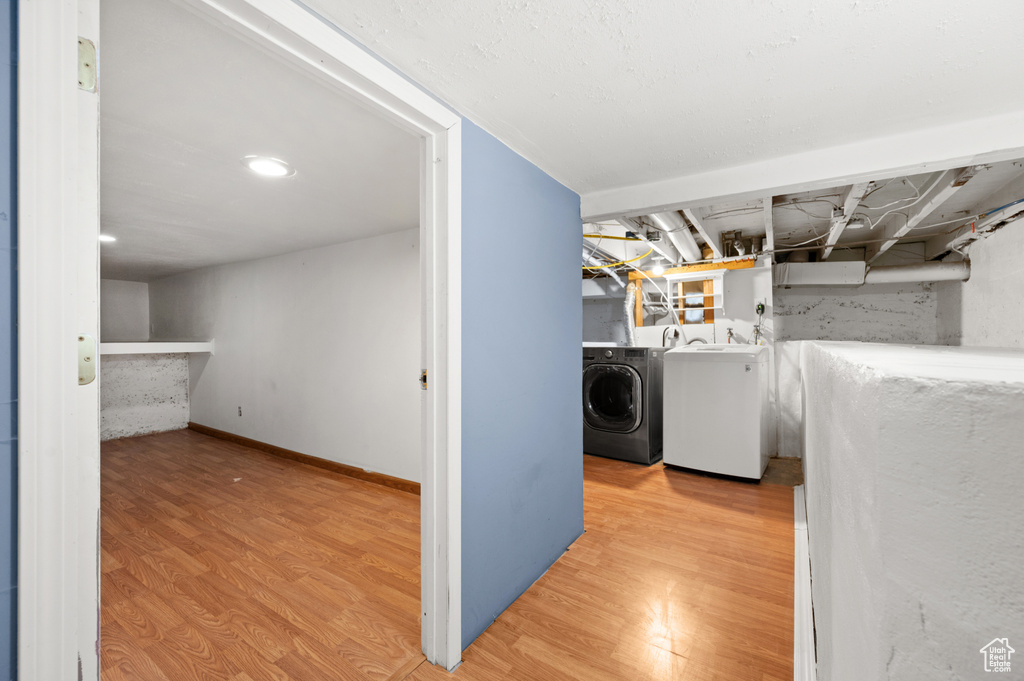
pixel 57 618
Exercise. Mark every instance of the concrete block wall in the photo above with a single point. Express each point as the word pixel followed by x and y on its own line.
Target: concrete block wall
pixel 913 499
pixel 141 394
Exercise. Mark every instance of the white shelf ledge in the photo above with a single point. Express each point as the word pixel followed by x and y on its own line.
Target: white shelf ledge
pixel 156 347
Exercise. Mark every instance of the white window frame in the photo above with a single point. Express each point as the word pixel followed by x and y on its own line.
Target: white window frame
pixel 57 617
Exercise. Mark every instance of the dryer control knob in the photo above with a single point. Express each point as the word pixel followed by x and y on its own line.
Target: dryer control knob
pixel 608 354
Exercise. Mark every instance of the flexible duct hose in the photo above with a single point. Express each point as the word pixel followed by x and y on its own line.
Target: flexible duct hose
pixel 629 310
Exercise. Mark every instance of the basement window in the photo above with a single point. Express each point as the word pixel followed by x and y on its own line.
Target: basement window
pixel 696 301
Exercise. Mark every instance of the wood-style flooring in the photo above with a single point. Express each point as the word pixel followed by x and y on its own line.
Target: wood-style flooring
pixel 222 562
pixel 296 573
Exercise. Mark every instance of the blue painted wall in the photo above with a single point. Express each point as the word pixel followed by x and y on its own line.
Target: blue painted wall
pixel 8 345
pixel 522 444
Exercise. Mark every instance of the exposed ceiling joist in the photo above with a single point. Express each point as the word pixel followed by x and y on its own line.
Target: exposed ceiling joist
pixel 695 221
pixel 662 248
pixel 852 197
pixel 976 229
pixel 940 190
pixel 769 223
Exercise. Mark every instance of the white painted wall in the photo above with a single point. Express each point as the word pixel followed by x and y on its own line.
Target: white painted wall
pixel 124 310
pixel 985 310
pixel 913 475
pixel 319 350
pixel 142 394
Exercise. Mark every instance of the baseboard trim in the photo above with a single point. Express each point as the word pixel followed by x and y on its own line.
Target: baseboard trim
pixel 804 665
pixel 333 466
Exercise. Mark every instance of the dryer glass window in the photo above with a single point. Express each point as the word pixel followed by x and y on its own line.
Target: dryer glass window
pixel 612 397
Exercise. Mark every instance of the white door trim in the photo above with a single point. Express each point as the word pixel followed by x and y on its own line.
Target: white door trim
pixel 50 179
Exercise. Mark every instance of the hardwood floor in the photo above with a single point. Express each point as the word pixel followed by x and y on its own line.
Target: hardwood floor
pixel 678 576
pixel 221 562
pixel 292 572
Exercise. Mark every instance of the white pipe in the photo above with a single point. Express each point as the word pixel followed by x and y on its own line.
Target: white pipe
pixel 678 232
pixel 594 262
pixel 929 271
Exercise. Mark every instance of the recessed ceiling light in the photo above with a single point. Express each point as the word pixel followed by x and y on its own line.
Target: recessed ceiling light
pixel 268 167
pixel 107 237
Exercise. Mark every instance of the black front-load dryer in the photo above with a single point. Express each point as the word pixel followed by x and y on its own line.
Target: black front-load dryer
pixel 622 402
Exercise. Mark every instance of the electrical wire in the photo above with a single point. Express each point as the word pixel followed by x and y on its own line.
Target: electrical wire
pixel 917 195
pixel 608 236
pixel 616 264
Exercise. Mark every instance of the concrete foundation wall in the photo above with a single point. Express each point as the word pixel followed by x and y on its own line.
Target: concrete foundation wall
pixel 142 394
pixel 889 313
pixel 913 472
pixel 985 310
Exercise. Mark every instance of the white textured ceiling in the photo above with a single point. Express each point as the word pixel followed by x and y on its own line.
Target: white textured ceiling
pixel 182 102
pixel 609 93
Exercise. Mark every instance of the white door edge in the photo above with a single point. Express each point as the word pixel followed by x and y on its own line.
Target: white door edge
pixel 52 621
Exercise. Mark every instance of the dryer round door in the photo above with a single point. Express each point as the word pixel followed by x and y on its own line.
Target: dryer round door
pixel 612 398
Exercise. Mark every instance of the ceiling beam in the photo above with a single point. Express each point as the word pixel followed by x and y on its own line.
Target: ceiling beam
pixel 940 190
pixel 692 217
pixel 663 248
pixel 941 244
pixel 852 197
pixel 768 203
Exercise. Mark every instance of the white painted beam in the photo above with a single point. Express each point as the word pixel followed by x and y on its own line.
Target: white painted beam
pixel 940 190
pixel 695 221
pixel 768 203
pixel 852 197
pixel 986 140
pixel 970 232
pixel 663 248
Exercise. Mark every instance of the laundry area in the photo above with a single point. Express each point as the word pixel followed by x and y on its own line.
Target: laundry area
pixel 840 336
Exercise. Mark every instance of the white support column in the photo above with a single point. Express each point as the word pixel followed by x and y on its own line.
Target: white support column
pixel 769 224
pixel 852 197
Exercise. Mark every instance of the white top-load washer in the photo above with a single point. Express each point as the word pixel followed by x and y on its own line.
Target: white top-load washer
pixel 716 409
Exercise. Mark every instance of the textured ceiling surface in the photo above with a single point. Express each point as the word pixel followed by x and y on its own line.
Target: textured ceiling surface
pixel 182 102
pixel 610 93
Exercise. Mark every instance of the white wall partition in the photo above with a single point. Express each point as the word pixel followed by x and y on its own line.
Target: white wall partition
pixel 317 351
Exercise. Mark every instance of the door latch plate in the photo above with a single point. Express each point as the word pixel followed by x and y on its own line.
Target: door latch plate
pixel 86 359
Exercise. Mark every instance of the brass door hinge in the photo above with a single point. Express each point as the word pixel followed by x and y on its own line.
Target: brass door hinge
pixel 423 380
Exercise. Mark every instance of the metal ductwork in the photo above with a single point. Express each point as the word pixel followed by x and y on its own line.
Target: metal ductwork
pixel 678 232
pixel 629 305
pixel 929 271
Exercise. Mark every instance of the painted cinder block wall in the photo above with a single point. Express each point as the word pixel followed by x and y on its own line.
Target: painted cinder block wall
pixel 522 444
pixel 8 347
pixel 913 474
